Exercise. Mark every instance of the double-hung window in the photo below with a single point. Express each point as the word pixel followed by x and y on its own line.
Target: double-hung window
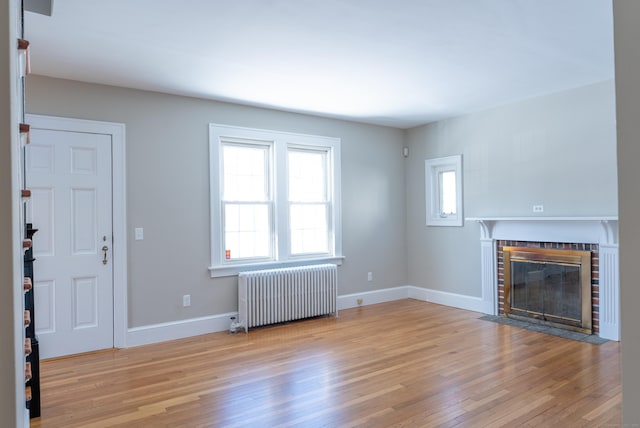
pixel 309 201
pixel 275 199
pixel 246 203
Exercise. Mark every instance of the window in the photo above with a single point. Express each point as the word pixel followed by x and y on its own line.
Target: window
pixel 309 202
pixel 246 202
pixel 275 199
pixel 443 177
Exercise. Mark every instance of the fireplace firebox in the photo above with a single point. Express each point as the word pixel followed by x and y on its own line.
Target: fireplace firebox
pixel 548 286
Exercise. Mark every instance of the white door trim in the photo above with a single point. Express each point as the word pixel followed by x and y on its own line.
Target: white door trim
pixel 117 132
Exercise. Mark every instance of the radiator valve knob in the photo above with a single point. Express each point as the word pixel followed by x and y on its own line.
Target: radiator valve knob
pixel 233 329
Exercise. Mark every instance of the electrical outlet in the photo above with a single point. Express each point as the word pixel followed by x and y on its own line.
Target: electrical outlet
pixel 139 234
pixel 370 276
pixel 538 208
pixel 186 300
pixel 359 301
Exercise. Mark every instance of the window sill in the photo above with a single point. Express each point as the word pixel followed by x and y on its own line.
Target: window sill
pixel 437 221
pixel 223 271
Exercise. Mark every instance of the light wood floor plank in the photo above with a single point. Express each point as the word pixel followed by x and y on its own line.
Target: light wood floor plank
pixel 402 364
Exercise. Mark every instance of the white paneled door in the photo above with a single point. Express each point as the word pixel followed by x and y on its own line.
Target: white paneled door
pixel 69 175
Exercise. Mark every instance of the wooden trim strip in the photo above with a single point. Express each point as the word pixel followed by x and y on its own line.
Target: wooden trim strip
pixel 25 128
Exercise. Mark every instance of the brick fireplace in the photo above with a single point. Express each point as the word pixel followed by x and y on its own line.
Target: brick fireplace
pixel 593 287
pixel 599 236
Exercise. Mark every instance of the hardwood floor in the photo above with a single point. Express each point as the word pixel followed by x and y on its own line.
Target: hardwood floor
pixel 400 364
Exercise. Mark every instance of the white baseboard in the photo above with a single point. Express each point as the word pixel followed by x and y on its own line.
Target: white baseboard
pixel 410 292
pixel 178 329
pixel 449 299
pixel 372 297
pixel 155 333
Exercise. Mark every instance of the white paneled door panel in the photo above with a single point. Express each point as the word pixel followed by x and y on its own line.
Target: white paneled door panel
pixel 69 174
pixel 43 293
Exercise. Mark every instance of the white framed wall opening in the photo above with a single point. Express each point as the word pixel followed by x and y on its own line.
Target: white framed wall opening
pixel 275 199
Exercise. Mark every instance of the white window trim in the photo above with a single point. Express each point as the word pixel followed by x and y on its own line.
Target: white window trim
pixel 217 132
pixel 432 167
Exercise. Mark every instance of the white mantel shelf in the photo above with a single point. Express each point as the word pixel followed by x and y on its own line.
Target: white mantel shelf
pixel 603 218
pixel 597 230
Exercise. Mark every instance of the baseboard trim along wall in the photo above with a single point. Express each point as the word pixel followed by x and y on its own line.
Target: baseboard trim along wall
pixel 156 333
pixel 459 301
pixel 372 297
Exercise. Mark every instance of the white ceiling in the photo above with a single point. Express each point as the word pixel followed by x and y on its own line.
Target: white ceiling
pixel 400 63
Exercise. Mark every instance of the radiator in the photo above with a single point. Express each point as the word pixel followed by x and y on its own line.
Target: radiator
pixel 280 295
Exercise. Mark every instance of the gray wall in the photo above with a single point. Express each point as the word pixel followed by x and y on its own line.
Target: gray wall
pixel 558 151
pixel 168 192
pixel 627 54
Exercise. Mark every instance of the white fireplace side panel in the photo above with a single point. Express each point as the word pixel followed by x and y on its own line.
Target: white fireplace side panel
pixel 609 292
pixel 489 276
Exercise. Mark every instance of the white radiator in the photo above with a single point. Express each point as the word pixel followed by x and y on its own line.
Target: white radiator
pixel 279 295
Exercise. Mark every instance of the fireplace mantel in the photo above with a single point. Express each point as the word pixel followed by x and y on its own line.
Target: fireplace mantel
pixel 597 230
pixel 600 230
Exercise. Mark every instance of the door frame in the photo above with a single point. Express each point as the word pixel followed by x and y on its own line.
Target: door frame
pixel 119 199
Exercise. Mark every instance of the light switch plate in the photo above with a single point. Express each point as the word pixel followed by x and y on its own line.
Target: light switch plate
pixel 139 232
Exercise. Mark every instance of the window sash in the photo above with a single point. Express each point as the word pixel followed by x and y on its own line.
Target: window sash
pixel 242 228
pixel 241 173
pixel 309 201
pixel 309 237
pixel 443 192
pixel 301 176
pixel 447 206
pixel 245 183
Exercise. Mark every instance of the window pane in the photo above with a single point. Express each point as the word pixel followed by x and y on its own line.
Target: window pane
pixel 307 176
pixel 245 175
pixel 447 192
pixel 246 231
pixel 309 228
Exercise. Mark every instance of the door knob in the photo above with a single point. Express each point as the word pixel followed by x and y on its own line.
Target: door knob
pixel 105 249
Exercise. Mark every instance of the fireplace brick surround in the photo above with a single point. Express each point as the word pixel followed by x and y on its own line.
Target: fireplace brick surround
pixel 598 235
pixel 592 248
